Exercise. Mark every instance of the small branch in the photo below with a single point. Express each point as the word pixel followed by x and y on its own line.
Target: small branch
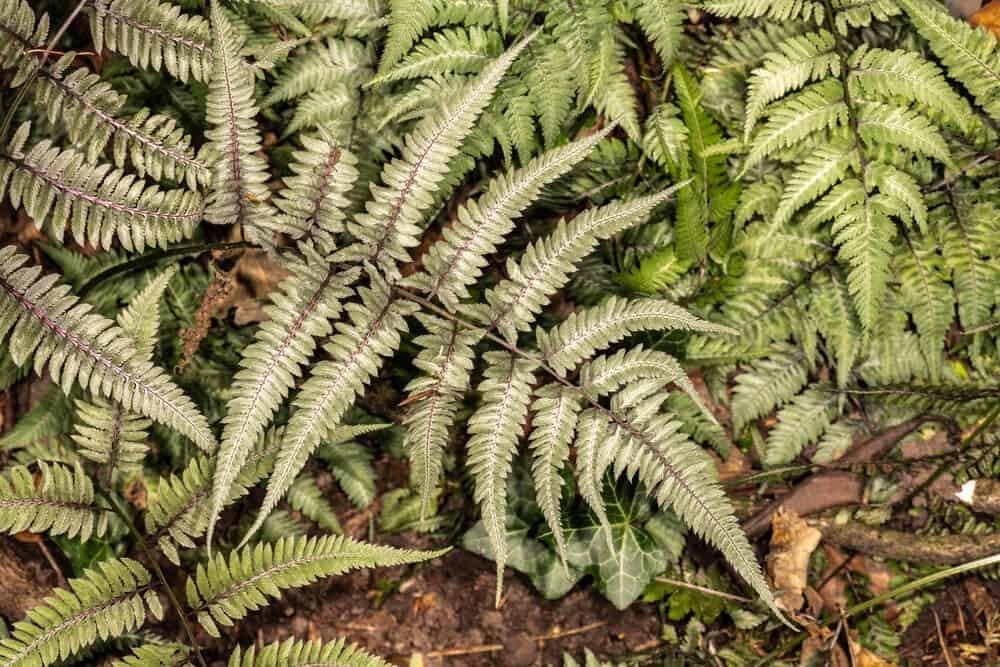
pixel 703 589
pixel 908 546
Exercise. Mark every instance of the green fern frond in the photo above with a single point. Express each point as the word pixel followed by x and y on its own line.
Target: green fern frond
pixel 555 412
pixel 967 234
pixel 62 503
pixel 823 168
pixel 552 91
pixel 546 264
pixel 323 66
pixel 800 423
pixel 156 655
pixel 588 331
pixel 227 589
pixel 308 500
pixel 107 434
pixel 106 601
pixel 970 54
pixel 239 181
pixel 666 138
pixel 297 653
pixel 300 313
pixel 880 123
pixel 610 90
pixel 663 21
pixel 350 463
pixel 778 10
pixel 930 299
pixel 495 429
pixel 457 260
pixel 99 204
pixel 446 360
pixel 356 353
pixel 153 34
pixel 768 384
pixel 314 200
pixel 394 216
pixel 798 61
pixel 451 51
pixel 81 347
pixel 408 19
pixel 608 373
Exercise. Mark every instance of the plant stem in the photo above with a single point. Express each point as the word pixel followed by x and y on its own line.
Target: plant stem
pixel 154 563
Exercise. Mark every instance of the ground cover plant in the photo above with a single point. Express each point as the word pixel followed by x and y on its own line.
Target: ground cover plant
pixel 605 292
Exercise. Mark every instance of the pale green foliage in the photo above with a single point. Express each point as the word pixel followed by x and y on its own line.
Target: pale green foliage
pixel 495 429
pixel 62 504
pixel 52 327
pixel 156 655
pixel 451 51
pixel 297 653
pixel 99 204
pixel 227 589
pixel 105 602
pixel 153 34
pixel 770 383
pixel 663 21
pixel 308 500
pixel 239 192
pixel 800 423
pixel 351 465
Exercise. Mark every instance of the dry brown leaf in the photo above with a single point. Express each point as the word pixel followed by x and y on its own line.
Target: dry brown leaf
pixel 792 543
pixel 988 17
pixel 862 657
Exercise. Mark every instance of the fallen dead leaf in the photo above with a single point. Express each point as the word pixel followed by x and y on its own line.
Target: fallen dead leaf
pixel 862 657
pixel 792 543
pixel 988 17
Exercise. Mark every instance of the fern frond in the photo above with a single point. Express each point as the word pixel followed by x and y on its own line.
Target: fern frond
pixel 300 313
pixel 446 359
pixel 451 51
pixel 609 373
pixel 584 333
pixel 610 90
pixel 554 417
pixel 314 200
pixel 823 168
pixel 800 423
pixel 970 54
pixel 458 259
pixel 80 346
pixel 552 91
pixel 547 263
pixel 408 19
pixel 62 504
pixel 967 234
pixel 394 215
pixel 297 653
pixel 880 123
pixel 308 500
pixel 930 299
pixel 107 434
pixel 767 384
pixel 883 74
pixel 818 107
pixel 324 66
pixel 350 463
pixel 153 34
pixel 239 181
pixel 156 655
pixel 666 138
pixel 60 189
pixel 798 61
pixel 106 601
pixel 495 428
pixel 662 21
pixel 779 10
pixel 227 589
pixel 356 352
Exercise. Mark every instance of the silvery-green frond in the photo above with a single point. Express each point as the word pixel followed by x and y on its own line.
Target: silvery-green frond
pixel 798 61
pixel 141 318
pixel 547 264
pixel 929 299
pixel 108 434
pixel 62 502
pixel 970 54
pixel 608 373
pixel 680 476
pixel 329 108
pixel 21 32
pixel 350 463
pixel 587 331
pixel 300 313
pixel 227 589
pixel 323 66
pixel 239 180
pixel 663 21
pixel 801 422
pixel 298 653
pixel 306 498
pixel 767 384
pixel 408 19
pixel 60 189
pixel 880 123
pixel 445 360
pixel 610 90
pixel 555 411
pixel 167 654
pixel 153 34
pixel 552 89
pixel 180 506
pixel 495 429
pixel 356 353
pixel 824 167
pixel 362 12
pixel 314 199
pixel 457 260
pixel 968 234
pixel 107 600
pixel 394 217
pixel 666 137
pixel 451 51
pixel 42 321
pixel 779 10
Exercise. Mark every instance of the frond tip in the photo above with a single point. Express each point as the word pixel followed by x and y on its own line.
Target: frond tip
pixel 62 502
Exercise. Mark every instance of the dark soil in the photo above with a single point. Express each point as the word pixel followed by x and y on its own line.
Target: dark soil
pixel 961 627
pixel 445 612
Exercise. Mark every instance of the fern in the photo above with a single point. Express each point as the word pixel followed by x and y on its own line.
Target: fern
pixel 108 600
pixel 297 653
pixel 81 347
pixel 227 589
pixel 307 499
pixel 61 503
